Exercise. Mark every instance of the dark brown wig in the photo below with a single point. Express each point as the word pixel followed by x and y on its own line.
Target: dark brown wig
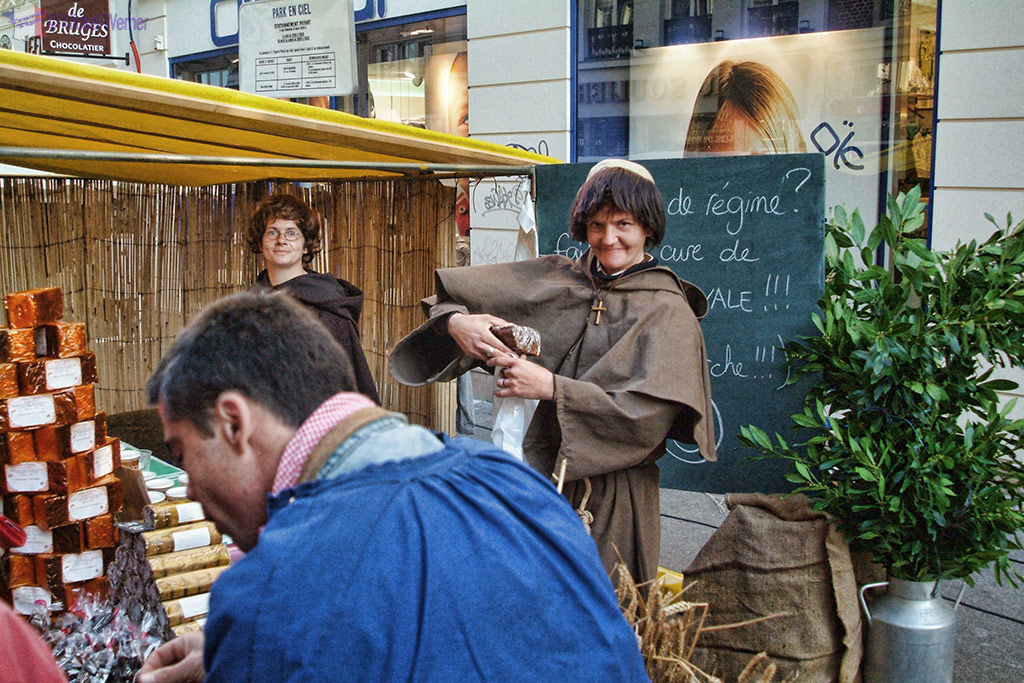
pixel 625 191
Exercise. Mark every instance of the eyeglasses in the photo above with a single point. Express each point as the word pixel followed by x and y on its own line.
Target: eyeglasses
pixel 291 234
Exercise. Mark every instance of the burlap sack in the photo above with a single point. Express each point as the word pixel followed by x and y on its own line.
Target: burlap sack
pixel 778 555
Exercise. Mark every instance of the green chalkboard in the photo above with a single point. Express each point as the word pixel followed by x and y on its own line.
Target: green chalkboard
pixel 749 232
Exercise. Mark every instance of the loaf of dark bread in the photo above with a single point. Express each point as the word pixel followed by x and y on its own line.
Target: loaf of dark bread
pixel 519 338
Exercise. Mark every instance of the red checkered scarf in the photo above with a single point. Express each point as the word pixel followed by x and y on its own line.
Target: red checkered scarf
pixel 330 413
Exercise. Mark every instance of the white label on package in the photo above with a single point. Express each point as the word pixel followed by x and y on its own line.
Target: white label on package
pixel 191 538
pixel 87 503
pixel 63 373
pixel 83 436
pixel 37 541
pixel 195 605
pixel 190 512
pixel 27 477
pixel 81 566
pixel 31 411
pixel 102 461
pixel 26 597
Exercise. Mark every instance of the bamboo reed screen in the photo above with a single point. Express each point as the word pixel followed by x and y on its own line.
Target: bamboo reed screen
pixel 137 261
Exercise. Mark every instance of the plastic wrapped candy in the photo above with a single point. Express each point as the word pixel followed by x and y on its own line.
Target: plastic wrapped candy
pixel 96 642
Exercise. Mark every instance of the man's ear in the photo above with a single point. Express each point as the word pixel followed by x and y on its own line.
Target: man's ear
pixel 234 418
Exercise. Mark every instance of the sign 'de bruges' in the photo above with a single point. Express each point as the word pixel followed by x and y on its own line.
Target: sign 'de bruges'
pixel 78 26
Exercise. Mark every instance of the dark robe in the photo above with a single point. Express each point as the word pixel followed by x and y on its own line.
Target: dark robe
pixel 621 387
pixel 337 304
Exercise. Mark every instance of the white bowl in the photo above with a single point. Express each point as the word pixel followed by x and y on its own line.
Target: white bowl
pixel 156 497
pixel 159 484
pixel 183 478
pixel 177 492
pixel 147 475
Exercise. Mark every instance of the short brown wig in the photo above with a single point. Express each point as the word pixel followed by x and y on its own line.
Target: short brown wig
pixel 291 208
pixel 625 191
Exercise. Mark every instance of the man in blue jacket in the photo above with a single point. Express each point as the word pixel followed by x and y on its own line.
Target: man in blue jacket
pixel 376 550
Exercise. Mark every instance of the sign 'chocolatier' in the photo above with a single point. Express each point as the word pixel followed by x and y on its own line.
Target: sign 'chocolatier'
pixel 57 461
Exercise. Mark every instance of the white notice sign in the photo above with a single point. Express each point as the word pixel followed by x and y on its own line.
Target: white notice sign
pixel 296 48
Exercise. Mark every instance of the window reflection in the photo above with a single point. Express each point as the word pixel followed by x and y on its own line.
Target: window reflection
pixel 851 79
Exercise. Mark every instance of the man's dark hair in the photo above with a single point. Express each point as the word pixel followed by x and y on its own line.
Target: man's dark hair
pixel 625 191
pixel 288 207
pixel 262 344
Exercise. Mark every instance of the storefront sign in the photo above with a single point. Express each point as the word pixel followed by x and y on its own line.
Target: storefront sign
pixel 77 26
pixel 297 48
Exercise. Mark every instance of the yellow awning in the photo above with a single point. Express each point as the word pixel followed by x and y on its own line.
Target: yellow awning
pixel 52 104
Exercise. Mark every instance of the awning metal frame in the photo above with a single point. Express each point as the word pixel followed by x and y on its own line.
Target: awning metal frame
pixel 12 155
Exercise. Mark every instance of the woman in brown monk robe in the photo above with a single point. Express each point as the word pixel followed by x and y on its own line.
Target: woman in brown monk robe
pixel 622 364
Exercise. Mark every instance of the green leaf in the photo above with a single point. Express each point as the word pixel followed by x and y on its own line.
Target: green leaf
pixel 802 470
pixel 857 228
pixel 864 474
pixel 999 385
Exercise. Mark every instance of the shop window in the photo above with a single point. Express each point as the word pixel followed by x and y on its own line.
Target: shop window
pixel 850 79
pixel 689 22
pixel 772 18
pixel 610 31
pixel 416 74
pixel 221 70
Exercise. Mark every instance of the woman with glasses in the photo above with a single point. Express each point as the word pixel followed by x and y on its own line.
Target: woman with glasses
pixel 286 231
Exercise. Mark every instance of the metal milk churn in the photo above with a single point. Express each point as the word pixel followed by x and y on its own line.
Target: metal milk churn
pixel 911 631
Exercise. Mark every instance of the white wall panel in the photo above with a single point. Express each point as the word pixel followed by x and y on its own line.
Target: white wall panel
pixel 499 59
pixel 987 84
pixel 501 17
pixel 553 143
pixel 519 107
pixel 959 214
pixel 981 24
pixel 982 154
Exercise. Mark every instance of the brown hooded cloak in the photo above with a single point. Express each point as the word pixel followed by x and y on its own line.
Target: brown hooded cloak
pixel 622 385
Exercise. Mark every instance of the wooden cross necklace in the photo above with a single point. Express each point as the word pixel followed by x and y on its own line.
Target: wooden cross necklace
pixel 598 307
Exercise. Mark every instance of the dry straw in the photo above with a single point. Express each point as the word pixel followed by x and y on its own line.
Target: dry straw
pixel 137 261
pixel 668 628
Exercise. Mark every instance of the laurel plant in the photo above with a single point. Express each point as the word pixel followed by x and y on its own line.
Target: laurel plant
pixel 904 436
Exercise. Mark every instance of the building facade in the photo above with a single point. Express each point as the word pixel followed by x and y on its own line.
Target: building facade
pixel 895 93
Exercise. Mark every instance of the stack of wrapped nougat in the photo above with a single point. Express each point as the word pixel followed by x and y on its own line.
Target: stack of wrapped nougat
pixel 58 463
pixel 166 564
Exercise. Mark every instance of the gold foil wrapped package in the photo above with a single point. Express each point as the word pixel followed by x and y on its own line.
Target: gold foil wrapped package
pixel 189 583
pixel 57 442
pixel 69 538
pixel 53 510
pixel 60 340
pixel 172 513
pixel 188 627
pixel 53 374
pixel 19 508
pixel 17 570
pixel 177 538
pixel 8 380
pixel 28 412
pixel 190 560
pixel 17 345
pixel 17 447
pixel 64 476
pixel 186 609
pixel 100 532
pixel 57 571
pixel 34 307
pixel 75 404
